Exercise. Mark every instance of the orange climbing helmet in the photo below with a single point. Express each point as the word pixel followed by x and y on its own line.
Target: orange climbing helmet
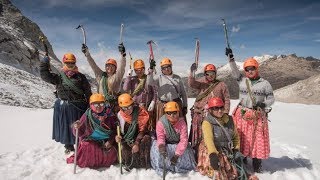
pixel 96 98
pixel 137 64
pixel 112 61
pixel 69 58
pixel 171 106
pixel 165 61
pixel 250 62
pixel 125 100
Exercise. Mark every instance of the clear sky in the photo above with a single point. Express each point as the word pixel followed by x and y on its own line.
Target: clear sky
pixel 256 27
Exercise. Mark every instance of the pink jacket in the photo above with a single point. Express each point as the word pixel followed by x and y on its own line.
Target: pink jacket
pixel 181 128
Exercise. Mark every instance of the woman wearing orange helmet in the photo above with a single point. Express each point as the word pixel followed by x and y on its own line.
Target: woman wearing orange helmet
pixel 73 91
pixel 97 130
pixel 208 87
pixel 134 139
pixel 170 88
pixel 109 81
pixel 256 95
pixel 172 143
pixel 141 92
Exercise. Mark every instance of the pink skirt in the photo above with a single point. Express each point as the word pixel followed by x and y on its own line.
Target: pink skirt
pixel 91 154
pixel 253 130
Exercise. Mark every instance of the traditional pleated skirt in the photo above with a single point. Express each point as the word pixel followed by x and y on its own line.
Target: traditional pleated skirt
pixel 185 163
pixel 91 154
pixel 64 114
pixel 253 130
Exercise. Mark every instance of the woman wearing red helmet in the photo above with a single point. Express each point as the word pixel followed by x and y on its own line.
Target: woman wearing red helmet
pixel 208 87
pixel 256 95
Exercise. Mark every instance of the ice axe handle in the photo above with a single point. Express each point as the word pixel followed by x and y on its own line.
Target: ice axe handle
pixel 226 33
pixel 83 33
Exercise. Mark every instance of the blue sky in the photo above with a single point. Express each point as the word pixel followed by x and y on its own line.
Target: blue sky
pixel 256 27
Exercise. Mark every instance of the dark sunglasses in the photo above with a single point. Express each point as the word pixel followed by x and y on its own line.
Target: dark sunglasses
pixel 217 108
pixel 139 69
pixel 210 73
pixel 172 113
pixel 247 69
pixel 70 63
pixel 165 67
pixel 126 108
pixel 98 104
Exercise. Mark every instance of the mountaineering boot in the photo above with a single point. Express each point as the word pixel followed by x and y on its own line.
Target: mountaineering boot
pixel 257 165
pixel 68 148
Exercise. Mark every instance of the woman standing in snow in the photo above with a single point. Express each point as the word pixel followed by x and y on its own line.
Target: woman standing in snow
pixel 142 93
pixel 255 96
pixel 97 129
pixel 134 141
pixel 172 143
pixel 208 87
pixel 73 92
pixel 169 87
pixel 109 82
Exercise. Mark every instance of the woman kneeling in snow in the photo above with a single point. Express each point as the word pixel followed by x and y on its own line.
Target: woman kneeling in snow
pixel 97 129
pixel 134 139
pixel 172 143
pixel 219 155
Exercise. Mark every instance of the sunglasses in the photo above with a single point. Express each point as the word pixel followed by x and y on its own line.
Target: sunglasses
pixel 98 105
pixel 247 69
pixel 172 113
pixel 70 63
pixel 217 108
pixel 139 69
pixel 165 67
pixel 210 73
pixel 126 108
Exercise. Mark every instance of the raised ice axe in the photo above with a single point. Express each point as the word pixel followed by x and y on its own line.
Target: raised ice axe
pixel 83 33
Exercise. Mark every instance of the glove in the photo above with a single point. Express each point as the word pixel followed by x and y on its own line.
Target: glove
pixel 45 59
pixel 193 67
pixel 259 104
pixel 162 150
pixel 229 53
pixel 84 48
pixel 151 106
pixel 129 73
pixel 152 64
pixel 174 160
pixel 184 110
pixel 122 50
pixel 237 155
pixel 214 161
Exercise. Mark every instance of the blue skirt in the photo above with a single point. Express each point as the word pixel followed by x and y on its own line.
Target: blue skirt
pixel 64 114
pixel 185 163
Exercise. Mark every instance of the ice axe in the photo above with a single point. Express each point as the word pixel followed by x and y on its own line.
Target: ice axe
pixel 76 152
pixel 42 39
pixel 197 53
pixel 226 33
pixel 151 57
pixel 121 32
pixel 83 33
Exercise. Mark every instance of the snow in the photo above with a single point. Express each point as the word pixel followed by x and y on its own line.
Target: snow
pixel 27 151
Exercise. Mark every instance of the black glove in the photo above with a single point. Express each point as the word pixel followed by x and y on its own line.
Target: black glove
pixel 122 49
pixel 184 110
pixel 162 150
pixel 152 63
pixel 174 160
pixel 229 53
pixel 214 161
pixel 259 104
pixel 84 48
pixel 193 67
pixel 237 155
